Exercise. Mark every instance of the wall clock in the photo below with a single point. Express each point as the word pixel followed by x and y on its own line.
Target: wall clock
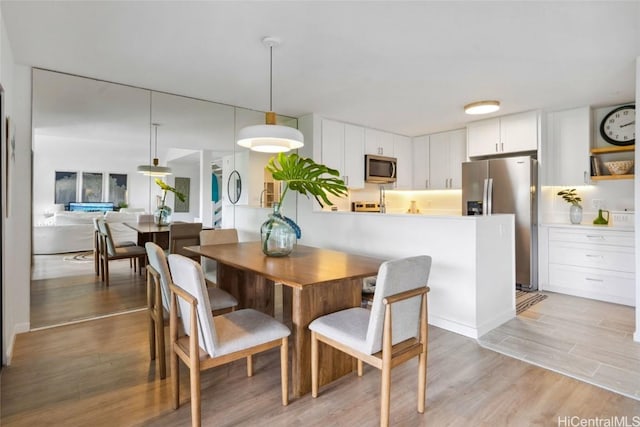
pixel 619 126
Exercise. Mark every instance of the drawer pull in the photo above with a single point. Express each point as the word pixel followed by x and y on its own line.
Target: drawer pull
pixel 593 256
pixel 593 280
pixel 595 236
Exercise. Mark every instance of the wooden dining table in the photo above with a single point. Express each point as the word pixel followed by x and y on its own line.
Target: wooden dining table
pixel 316 282
pixel 150 232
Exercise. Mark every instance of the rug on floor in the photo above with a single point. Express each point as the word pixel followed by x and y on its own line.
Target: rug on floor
pixel 79 257
pixel 524 300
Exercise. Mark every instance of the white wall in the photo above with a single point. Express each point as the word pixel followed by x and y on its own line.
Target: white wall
pixel 16 81
pixel 636 336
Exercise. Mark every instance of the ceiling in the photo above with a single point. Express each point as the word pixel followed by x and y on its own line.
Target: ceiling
pixel 405 67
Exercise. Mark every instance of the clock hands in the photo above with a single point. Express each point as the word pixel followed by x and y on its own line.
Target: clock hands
pixel 628 124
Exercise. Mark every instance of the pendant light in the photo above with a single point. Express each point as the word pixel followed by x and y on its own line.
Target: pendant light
pixel 482 107
pixel 153 169
pixel 270 137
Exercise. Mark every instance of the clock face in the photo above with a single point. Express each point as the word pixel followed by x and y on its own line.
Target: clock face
pixel 619 126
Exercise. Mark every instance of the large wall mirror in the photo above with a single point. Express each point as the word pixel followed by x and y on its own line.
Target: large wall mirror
pixel 89 138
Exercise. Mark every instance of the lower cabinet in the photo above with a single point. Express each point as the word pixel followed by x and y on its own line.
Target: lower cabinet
pixel 590 262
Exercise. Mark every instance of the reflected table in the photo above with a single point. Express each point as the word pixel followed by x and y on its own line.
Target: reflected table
pixel 318 281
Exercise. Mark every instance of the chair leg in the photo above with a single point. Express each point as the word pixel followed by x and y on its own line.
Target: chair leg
pixel 96 262
pixel 385 395
pixel 160 341
pixel 250 365
pixel 314 364
pixel 194 376
pixel 284 370
pixel 106 272
pixel 422 381
pixel 175 380
pixel 152 337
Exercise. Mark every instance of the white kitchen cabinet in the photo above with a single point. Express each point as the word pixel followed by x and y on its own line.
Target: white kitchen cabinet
pixel 343 149
pixel 402 151
pixel 378 142
pixel 590 262
pixel 514 133
pixel 443 154
pixel 421 162
pixel 566 149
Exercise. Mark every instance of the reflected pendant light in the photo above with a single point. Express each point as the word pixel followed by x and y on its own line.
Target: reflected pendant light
pixel 153 169
pixel 270 137
pixel 482 107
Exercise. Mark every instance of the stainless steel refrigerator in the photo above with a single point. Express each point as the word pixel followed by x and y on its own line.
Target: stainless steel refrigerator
pixel 507 185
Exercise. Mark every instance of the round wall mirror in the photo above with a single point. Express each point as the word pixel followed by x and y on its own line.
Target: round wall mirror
pixel 234 187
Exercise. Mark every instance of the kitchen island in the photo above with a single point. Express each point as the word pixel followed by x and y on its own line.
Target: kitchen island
pixel 472 277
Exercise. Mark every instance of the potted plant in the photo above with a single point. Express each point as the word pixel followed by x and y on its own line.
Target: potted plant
pixel 306 177
pixel 572 197
pixel 162 215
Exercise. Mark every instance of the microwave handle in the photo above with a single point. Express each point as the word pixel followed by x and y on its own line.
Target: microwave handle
pixel 393 169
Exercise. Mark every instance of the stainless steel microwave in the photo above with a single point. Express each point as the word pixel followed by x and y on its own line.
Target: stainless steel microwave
pixel 380 169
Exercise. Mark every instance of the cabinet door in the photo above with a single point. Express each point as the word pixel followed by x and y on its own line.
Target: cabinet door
pixel 378 142
pixel 333 144
pixel 566 150
pixel 439 161
pixel 421 162
pixel 402 151
pixel 483 137
pixel 354 156
pixel 519 132
pixel 457 156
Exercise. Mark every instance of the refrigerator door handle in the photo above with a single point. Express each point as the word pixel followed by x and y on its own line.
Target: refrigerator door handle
pixel 487 197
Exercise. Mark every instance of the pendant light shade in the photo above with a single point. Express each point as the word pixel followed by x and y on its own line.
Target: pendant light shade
pixel 153 169
pixel 482 107
pixel 270 137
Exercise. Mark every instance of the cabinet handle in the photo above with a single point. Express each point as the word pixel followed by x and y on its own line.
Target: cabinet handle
pixel 595 236
pixel 496 147
pixel 594 256
pixel 426 183
pixel 346 180
pixel 590 279
pixel 502 146
pixel 584 177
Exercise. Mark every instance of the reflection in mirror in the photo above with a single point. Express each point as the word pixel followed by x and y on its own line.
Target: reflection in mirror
pixel 234 187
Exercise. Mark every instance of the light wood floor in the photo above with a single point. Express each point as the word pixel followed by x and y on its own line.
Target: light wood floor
pixel 64 289
pixel 98 373
pixel 586 339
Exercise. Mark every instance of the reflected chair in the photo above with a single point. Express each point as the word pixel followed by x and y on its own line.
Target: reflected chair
pixel 392 332
pixel 158 297
pixel 213 341
pixel 109 252
pixel 96 247
pixel 183 234
pixel 215 237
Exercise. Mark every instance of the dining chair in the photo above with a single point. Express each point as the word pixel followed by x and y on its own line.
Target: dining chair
pixel 109 251
pixel 183 234
pixel 215 237
pixel 210 341
pixel 158 296
pixel 96 247
pixel 392 332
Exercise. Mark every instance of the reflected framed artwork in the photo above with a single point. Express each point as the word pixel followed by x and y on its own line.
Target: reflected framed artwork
pixel 91 186
pixel 66 185
pixel 182 185
pixel 118 189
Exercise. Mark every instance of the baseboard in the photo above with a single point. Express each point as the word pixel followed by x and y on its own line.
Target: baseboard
pixel 453 326
pixel 19 328
pixel 496 321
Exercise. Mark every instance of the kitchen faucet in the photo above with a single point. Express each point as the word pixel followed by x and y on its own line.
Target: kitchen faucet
pixel 383 207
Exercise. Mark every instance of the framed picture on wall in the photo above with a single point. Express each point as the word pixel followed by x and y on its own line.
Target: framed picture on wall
pixel 182 185
pixel 91 186
pixel 66 184
pixel 118 189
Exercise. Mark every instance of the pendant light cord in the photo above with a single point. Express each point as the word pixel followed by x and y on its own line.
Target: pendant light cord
pixel 271 78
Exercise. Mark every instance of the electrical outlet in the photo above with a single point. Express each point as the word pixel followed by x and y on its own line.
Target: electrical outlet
pixel 597 203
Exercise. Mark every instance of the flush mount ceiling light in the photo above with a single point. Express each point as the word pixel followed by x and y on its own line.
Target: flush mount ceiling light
pixel 482 107
pixel 270 137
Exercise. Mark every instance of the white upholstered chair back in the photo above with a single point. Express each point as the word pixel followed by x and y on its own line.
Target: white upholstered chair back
pixel 158 260
pixel 187 275
pixel 394 277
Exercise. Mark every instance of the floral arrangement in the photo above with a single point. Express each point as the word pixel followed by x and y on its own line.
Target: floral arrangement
pixel 570 196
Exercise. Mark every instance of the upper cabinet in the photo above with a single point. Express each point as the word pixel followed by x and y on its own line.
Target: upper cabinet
pixel 402 151
pixel 565 153
pixel 501 135
pixel 378 142
pixel 342 148
pixel 438 160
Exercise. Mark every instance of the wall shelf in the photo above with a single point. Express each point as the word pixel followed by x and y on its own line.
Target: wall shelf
pixel 611 177
pixel 615 149
pixel 612 150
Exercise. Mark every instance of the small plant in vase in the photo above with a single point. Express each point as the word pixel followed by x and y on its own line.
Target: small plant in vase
pixel 162 215
pixel 307 177
pixel 575 210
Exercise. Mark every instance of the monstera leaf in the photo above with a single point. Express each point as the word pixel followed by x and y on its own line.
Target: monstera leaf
pixel 306 177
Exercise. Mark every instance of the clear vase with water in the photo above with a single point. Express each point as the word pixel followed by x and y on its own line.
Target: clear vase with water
pixel 575 214
pixel 277 235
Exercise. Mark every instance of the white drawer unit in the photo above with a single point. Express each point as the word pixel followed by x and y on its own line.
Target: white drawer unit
pixel 591 262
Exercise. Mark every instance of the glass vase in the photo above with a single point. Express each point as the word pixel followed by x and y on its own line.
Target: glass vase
pixel 575 214
pixel 162 215
pixel 277 236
